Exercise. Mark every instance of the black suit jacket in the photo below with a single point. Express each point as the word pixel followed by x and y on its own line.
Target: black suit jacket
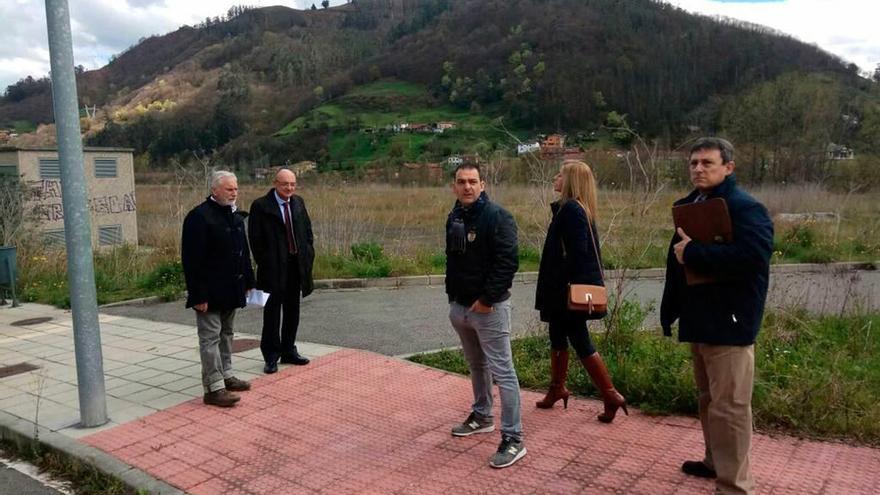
pixel 269 243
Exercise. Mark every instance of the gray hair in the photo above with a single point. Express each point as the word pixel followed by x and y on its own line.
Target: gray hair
pixel 714 143
pixel 218 176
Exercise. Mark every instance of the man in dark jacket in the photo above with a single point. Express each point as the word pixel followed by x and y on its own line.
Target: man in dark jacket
pixel 721 318
pixel 217 268
pixel 481 260
pixel 281 239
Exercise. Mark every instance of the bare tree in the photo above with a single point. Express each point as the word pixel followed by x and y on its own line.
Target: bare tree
pixel 647 178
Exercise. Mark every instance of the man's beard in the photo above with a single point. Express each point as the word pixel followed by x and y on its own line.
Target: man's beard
pixel 225 202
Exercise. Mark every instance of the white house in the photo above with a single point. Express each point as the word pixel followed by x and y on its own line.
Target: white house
pixel 523 148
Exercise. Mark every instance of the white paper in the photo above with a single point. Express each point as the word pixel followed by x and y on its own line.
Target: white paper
pixel 257 298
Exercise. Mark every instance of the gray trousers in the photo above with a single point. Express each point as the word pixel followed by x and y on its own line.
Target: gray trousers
pixel 485 341
pixel 215 347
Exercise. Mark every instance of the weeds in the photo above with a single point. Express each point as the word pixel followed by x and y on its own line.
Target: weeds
pixel 800 243
pixel 85 479
pixel 404 228
pixel 816 376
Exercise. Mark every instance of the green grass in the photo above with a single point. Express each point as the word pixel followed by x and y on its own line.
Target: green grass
pixel 24 126
pixel 382 104
pixel 359 122
pixel 121 274
pixel 85 478
pixel 389 88
pixel 808 243
pixel 815 376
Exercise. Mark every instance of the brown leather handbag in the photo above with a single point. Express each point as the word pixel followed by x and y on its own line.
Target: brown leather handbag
pixel 591 299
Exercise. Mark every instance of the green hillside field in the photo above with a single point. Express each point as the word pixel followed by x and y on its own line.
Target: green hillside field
pixel 359 126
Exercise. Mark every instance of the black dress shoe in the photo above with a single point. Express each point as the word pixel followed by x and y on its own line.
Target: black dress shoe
pixel 270 368
pixel 698 469
pixel 295 358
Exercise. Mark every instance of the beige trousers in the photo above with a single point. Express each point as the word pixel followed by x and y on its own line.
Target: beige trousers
pixel 725 375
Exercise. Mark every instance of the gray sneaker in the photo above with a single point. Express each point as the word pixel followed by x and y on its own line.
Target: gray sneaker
pixel 473 424
pixel 508 452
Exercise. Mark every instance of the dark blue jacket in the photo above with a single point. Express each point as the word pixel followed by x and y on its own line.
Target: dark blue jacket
pixel 727 312
pixel 216 259
pixel 486 268
pixel 568 257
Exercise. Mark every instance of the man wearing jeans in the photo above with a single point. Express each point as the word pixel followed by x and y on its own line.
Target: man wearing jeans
pixel 721 318
pixel 481 260
pixel 217 268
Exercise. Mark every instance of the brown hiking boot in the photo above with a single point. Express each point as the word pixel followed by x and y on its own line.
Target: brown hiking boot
pixel 221 398
pixel 235 385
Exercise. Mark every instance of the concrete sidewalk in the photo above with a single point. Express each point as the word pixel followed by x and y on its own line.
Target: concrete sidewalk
pixel 353 422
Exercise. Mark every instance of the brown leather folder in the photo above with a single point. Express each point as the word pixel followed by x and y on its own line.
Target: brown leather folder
pixel 707 222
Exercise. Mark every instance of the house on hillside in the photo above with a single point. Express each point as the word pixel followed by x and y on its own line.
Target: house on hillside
pixel 456 160
pixel 523 148
pixel 840 152
pixel 110 187
pixel 440 127
pixel 553 142
pixel 304 167
pixel 261 173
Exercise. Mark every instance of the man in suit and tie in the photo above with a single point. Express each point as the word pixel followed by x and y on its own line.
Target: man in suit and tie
pixel 280 233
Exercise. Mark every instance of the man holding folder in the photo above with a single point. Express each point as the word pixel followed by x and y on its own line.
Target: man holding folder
pixel 716 287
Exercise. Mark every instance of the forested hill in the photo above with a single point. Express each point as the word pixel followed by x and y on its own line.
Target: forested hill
pixel 648 59
pixel 544 65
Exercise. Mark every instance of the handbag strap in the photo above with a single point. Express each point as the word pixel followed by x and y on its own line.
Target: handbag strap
pixel 593 238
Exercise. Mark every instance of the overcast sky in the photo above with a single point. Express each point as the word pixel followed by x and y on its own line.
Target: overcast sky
pixel 104 27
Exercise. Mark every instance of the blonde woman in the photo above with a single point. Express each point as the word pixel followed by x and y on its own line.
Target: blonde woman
pixel 571 256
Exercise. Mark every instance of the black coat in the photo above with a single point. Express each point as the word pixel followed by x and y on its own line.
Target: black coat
pixel 269 243
pixel 215 256
pixel 727 312
pixel 486 268
pixel 568 257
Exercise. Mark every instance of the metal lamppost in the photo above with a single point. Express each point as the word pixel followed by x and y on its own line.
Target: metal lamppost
pixel 77 225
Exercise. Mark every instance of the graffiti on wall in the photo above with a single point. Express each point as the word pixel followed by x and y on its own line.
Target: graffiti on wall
pixel 46 194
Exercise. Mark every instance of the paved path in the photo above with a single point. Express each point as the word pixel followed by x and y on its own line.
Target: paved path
pixel 360 423
pixel 412 319
pixel 353 421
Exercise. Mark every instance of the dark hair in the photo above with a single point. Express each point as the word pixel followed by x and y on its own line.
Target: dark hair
pixel 714 143
pixel 466 166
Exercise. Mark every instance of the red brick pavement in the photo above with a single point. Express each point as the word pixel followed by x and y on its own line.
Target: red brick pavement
pixel 356 422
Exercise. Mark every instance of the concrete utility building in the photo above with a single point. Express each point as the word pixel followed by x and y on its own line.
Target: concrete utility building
pixel 110 179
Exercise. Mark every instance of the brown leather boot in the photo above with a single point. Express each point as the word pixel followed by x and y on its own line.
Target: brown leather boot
pixel 599 374
pixel 558 374
pixel 220 398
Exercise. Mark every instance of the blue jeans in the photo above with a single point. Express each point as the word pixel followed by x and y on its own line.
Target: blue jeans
pixel 485 341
